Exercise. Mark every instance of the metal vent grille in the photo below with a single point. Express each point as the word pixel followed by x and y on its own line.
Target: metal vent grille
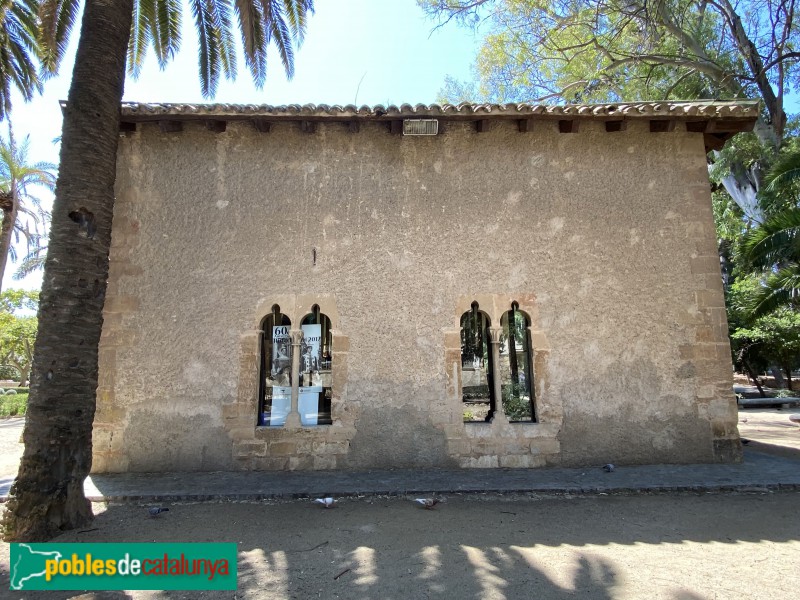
pixel 420 127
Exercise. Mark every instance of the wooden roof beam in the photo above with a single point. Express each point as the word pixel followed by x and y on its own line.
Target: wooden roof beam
pixel 568 126
pixel 216 126
pixel 170 126
pixel 262 125
pixel 661 125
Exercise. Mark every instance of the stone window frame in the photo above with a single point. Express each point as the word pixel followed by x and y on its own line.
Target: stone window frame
pixel 242 416
pixel 547 412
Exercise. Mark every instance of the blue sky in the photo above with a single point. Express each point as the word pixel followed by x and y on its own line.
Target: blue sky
pixel 388 47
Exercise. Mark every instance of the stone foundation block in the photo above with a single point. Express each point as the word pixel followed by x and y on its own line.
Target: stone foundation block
pixel 479 462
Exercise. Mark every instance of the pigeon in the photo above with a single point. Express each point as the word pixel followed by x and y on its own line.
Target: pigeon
pixel 609 468
pixel 154 511
pixel 326 502
pixel 427 503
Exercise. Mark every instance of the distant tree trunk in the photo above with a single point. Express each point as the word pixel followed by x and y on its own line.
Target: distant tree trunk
pixel 8 205
pixel 788 370
pixel 777 375
pixel 23 376
pixel 47 496
pixel 752 375
pixel 512 346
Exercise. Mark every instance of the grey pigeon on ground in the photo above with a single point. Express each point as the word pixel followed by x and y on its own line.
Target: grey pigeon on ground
pixel 154 511
pixel 609 468
pixel 427 503
pixel 326 502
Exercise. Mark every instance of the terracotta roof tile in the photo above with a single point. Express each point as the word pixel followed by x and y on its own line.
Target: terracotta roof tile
pixel 745 109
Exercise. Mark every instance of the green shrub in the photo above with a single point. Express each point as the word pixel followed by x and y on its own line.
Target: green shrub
pixel 13 405
pixel 516 406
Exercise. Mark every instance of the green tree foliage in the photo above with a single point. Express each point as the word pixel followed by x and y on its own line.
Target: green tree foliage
pixel 18 331
pixel 19 51
pixel 612 50
pixel 24 218
pixel 771 339
pixel 157 25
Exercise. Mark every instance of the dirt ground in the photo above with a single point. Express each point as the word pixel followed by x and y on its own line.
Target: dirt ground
pixel 770 430
pixel 483 547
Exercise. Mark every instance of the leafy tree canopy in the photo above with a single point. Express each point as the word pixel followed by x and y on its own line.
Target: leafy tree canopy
pixel 18 330
pixel 615 50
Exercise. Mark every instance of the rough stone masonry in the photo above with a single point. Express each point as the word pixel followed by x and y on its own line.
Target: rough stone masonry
pixel 595 221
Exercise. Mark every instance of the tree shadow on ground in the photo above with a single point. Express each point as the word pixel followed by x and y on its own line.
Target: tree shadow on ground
pixel 470 547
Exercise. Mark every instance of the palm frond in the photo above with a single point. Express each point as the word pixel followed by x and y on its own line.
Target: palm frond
pixel 140 36
pixel 279 34
pixel 785 171
pixel 57 18
pixel 775 241
pixel 781 289
pixel 19 50
pixel 166 30
pixel 251 26
pixel 297 15
pixel 227 41
pixel 17 178
pixel 208 59
pixel 33 261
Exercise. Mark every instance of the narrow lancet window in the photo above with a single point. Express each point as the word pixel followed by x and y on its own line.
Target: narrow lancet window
pixel 477 390
pixel 515 368
pixel 276 369
pixel 315 369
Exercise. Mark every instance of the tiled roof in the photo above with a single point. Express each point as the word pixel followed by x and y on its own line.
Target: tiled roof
pixel 739 110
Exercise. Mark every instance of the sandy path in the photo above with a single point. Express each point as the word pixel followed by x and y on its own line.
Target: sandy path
pixel 487 547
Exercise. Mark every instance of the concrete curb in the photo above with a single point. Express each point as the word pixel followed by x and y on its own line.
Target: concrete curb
pixel 759 473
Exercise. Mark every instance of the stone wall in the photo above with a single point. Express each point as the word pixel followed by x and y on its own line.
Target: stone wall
pixel 605 240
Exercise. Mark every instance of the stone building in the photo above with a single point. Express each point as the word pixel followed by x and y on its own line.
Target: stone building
pixel 459 286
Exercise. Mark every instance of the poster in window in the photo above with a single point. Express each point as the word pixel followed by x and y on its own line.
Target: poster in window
pixel 310 382
pixel 281 369
pixel 281 404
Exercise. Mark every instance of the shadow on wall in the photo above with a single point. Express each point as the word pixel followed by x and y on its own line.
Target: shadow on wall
pixel 623 416
pixel 393 438
pixel 157 442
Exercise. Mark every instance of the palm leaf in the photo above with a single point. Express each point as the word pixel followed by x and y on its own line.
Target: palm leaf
pixel 781 289
pixel 57 18
pixel 166 30
pixel 775 241
pixel 785 171
pixel 18 49
pixel 297 15
pixel 279 33
pixel 251 26
pixel 140 36
pixel 227 42
pixel 208 33
pixel 33 261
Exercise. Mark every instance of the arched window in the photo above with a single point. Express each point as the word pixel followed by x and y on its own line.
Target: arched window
pixel 314 402
pixel 477 389
pixel 515 368
pixel 276 369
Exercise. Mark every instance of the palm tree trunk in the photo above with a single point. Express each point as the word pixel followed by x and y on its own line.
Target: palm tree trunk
pixel 48 494
pixel 8 204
